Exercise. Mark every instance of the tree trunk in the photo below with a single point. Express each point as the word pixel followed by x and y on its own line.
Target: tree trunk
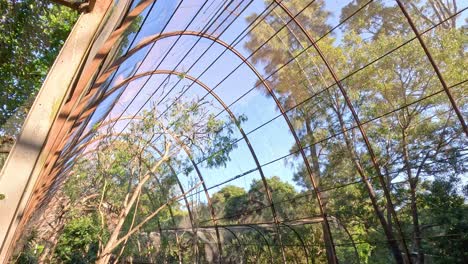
pixel 413 182
pixel 316 170
pixel 105 255
pixel 389 187
pixel 417 230
pixel 391 240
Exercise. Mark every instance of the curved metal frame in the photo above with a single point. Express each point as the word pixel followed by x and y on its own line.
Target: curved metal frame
pixel 68 108
pixel 187 204
pixel 300 239
pixel 171 213
pixel 233 117
pixel 358 122
pixel 434 66
pixel 349 235
pixel 239 245
pixel 200 177
pixel 264 239
pixel 266 85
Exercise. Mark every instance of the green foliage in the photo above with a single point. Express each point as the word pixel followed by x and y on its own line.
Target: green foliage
pixel 79 241
pixel 231 201
pixel 30 251
pixel 420 150
pixel 32 35
pixel 447 212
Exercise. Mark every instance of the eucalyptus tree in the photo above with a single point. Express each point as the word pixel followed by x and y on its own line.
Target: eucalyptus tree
pixel 129 181
pixel 132 164
pixel 421 138
pixel 308 89
pixel 413 138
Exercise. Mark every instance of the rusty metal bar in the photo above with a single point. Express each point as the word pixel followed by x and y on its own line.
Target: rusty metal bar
pixel 300 240
pixel 264 239
pixel 233 117
pixel 239 245
pixel 181 187
pixel 349 235
pixel 363 133
pixel 435 67
pixel 87 75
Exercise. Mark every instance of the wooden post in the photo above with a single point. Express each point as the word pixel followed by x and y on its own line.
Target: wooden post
pixel 28 155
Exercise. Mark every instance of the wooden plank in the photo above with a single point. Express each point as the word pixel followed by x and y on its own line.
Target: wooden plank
pixel 19 175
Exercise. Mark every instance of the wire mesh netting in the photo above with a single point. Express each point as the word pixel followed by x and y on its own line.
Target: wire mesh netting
pixel 272 132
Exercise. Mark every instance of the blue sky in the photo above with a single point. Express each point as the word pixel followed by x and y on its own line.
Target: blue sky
pixel 270 142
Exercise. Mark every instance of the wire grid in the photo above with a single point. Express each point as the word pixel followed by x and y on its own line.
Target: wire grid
pixel 211 53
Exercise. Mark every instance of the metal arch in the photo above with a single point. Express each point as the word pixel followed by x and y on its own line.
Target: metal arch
pixel 62 122
pixel 195 234
pixel 187 204
pixel 300 239
pixel 239 245
pixel 233 117
pixel 349 235
pixel 267 86
pixel 434 65
pixel 171 213
pixel 212 212
pixel 264 239
pixel 242 251
pixel 358 122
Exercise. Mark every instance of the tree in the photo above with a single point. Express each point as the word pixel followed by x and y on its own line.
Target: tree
pixel 416 142
pixel 421 141
pixel 446 213
pixel 327 114
pixel 128 181
pixel 230 201
pixel 32 34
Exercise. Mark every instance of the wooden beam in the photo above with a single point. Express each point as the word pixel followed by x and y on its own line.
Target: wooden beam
pixel 27 156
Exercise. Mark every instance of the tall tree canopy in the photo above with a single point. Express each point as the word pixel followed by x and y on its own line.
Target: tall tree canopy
pixel 32 34
pixel 378 162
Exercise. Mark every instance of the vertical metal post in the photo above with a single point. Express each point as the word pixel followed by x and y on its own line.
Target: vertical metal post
pixel 27 157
